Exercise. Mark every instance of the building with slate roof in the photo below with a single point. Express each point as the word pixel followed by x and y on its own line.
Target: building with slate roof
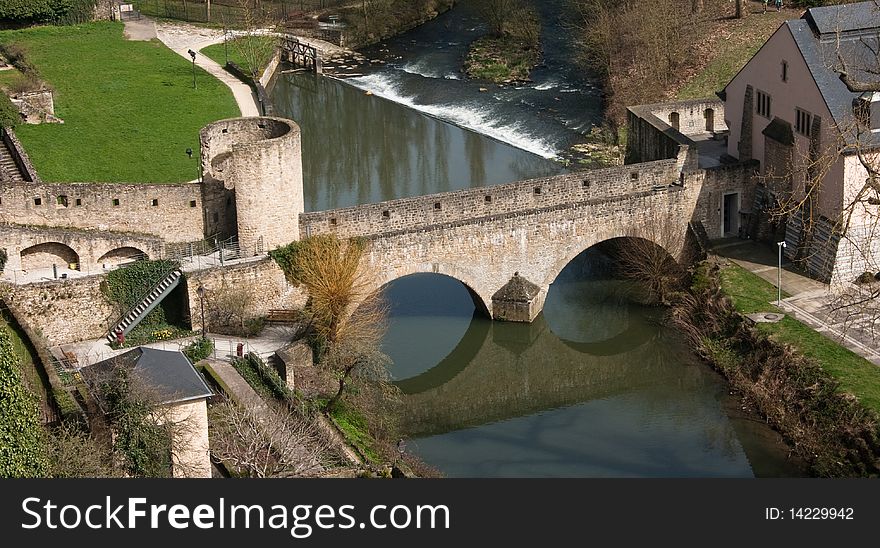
pixel 177 387
pixel 807 107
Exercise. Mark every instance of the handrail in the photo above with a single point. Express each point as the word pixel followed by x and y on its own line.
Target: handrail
pixel 142 298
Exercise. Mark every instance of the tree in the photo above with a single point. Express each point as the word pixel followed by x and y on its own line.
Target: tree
pixel 256 41
pixel 497 13
pixel 648 255
pixel 345 314
pixel 287 445
pixel 75 453
pixel 739 9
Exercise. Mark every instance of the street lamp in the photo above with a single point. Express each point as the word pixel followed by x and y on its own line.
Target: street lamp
pixel 193 55
pixel 226 44
pixel 781 246
pixel 201 292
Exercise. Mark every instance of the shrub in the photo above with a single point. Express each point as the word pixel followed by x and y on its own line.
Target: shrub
pixel 127 286
pixel 9 115
pixel 23 446
pixel 199 349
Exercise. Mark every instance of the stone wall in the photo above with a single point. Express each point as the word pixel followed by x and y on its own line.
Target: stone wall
pixel 262 282
pixel 36 107
pixel 695 116
pixel 261 159
pixel 716 182
pixel 470 205
pixel 173 212
pixel 65 311
pixel 90 249
pixel 21 159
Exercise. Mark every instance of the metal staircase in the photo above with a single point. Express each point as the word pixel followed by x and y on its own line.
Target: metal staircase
pixel 151 299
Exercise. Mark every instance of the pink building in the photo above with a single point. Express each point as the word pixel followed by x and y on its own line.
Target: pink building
pixel 807 107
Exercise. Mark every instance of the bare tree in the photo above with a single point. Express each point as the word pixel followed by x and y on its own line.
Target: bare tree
pixel 345 313
pixel 498 13
pixel 75 453
pixel 256 42
pixel 264 442
pixel 653 254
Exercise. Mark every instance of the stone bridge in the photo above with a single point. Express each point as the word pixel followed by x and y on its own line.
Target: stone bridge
pixel 518 237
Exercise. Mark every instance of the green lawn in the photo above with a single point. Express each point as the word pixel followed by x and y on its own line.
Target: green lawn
pixel 129 108
pixel 857 375
pixel 244 51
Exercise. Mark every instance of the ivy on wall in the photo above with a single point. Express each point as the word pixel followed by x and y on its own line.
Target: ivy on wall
pixel 125 287
pixel 22 439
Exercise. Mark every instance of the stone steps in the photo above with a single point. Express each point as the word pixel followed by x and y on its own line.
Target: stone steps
pixel 8 165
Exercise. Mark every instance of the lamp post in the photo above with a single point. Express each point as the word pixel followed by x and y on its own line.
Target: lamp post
pixel 193 55
pixel 781 246
pixel 201 292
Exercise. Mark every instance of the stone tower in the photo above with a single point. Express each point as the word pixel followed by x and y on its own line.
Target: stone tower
pixel 260 159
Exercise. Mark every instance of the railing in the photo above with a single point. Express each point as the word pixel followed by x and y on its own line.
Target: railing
pixel 10 141
pixel 145 304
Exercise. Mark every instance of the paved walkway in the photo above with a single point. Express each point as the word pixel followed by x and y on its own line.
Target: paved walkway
pixel 811 302
pixel 142 29
pixel 182 38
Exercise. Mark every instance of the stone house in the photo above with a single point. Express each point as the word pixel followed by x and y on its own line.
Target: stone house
pixel 180 395
pixel 807 107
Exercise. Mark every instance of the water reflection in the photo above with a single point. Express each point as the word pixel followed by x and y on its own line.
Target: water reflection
pixel 359 149
pixel 596 386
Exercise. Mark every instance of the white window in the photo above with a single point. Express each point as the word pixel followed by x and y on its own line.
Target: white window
pixel 763 106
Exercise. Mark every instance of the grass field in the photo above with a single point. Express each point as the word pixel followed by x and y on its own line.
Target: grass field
pixel 129 108
pixel 730 48
pixel 857 375
pixel 258 46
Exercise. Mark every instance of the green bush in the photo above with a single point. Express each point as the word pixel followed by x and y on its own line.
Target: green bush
pixel 261 377
pixel 199 349
pixel 9 115
pixel 46 11
pixel 22 440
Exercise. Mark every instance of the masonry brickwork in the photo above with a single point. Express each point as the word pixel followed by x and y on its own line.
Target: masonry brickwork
pixel 65 311
pixel 30 247
pixel 261 159
pixel 261 283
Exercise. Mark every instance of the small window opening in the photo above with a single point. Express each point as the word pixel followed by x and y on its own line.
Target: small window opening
pixel 437 206
pixel 537 190
pixel 192 203
pixel 79 202
pixel 38 201
pixel 61 201
pixel 386 214
pixel 488 199
pixel 115 202
pixel 154 202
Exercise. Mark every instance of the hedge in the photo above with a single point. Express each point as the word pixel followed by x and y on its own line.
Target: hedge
pixel 23 451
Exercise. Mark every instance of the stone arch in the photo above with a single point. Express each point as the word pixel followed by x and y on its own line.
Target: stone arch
pixel 47 254
pixel 121 255
pixel 574 250
pixel 481 296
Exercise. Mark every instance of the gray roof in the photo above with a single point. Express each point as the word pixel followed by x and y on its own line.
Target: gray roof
pixel 838 39
pixel 168 373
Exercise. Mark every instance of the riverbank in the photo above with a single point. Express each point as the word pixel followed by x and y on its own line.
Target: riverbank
pixel 682 55
pixel 784 371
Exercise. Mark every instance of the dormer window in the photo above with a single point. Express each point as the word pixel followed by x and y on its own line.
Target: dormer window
pixel 866 109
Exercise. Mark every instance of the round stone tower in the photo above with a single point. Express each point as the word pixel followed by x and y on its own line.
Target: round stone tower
pixel 261 160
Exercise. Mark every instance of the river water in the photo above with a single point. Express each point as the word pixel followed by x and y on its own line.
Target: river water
pixel 598 385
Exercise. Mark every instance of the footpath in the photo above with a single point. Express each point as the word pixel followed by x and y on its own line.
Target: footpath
pixel 810 302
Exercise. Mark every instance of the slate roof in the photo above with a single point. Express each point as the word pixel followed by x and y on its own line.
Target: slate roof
pixel 168 373
pixel 852 31
pixel 780 131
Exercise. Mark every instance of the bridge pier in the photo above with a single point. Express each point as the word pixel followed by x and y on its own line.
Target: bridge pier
pixel 519 300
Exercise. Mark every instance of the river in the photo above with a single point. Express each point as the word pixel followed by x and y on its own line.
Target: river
pixel 598 385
